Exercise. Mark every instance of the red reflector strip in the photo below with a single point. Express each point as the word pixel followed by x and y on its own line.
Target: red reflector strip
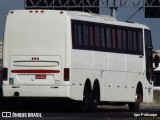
pixel 35 71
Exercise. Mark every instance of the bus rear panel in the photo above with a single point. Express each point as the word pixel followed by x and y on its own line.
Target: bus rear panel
pixel 34 54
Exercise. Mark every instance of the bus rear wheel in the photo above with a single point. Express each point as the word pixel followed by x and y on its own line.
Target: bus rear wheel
pixel 134 106
pixel 86 99
pixel 94 98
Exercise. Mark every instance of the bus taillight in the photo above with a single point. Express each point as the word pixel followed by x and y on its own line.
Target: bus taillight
pixel 4 73
pixel 66 74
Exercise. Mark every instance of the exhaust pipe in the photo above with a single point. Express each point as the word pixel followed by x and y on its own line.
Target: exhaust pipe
pixel 16 94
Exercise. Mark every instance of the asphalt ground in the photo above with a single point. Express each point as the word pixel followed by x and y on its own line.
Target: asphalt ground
pixel 67 110
pixel 64 110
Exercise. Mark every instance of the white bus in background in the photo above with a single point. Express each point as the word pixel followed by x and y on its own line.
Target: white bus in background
pixel 86 57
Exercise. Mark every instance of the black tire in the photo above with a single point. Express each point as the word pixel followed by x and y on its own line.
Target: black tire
pixel 94 99
pixel 134 106
pixel 86 99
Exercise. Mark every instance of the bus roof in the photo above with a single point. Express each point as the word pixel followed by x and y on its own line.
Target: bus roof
pixel 103 19
pixel 85 16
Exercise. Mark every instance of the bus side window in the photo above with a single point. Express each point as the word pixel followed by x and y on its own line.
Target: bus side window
pixel 140 42
pixel 103 41
pixel 119 39
pixel 124 40
pixel 108 37
pixel 97 36
pixel 130 41
pixel 79 37
pixel 114 42
pixel 135 41
pixel 85 35
pixel 74 34
pixel 91 36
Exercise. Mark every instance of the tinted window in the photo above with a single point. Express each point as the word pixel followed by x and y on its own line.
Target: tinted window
pixel 79 34
pixel 119 39
pixel 114 38
pixel 135 41
pixel 108 37
pixel 103 37
pixel 75 34
pixel 91 36
pixel 124 40
pixel 140 42
pixel 130 41
pixel 97 36
pixel 85 35
pixel 94 36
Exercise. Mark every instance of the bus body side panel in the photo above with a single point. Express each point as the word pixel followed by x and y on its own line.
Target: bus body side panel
pixel 80 71
pixel 118 74
pixel 110 69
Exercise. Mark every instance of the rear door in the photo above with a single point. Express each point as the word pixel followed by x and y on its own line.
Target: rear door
pixel 35 70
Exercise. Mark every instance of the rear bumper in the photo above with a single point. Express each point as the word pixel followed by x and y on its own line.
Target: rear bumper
pixel 36 91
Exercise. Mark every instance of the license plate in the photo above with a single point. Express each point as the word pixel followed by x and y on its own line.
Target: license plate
pixel 40 76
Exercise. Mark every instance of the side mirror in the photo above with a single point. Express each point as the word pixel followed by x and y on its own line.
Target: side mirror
pixel 156 61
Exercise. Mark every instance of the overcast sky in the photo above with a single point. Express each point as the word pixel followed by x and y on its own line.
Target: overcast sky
pixel 122 14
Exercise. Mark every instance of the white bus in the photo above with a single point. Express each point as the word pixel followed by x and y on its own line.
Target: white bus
pixel 85 57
